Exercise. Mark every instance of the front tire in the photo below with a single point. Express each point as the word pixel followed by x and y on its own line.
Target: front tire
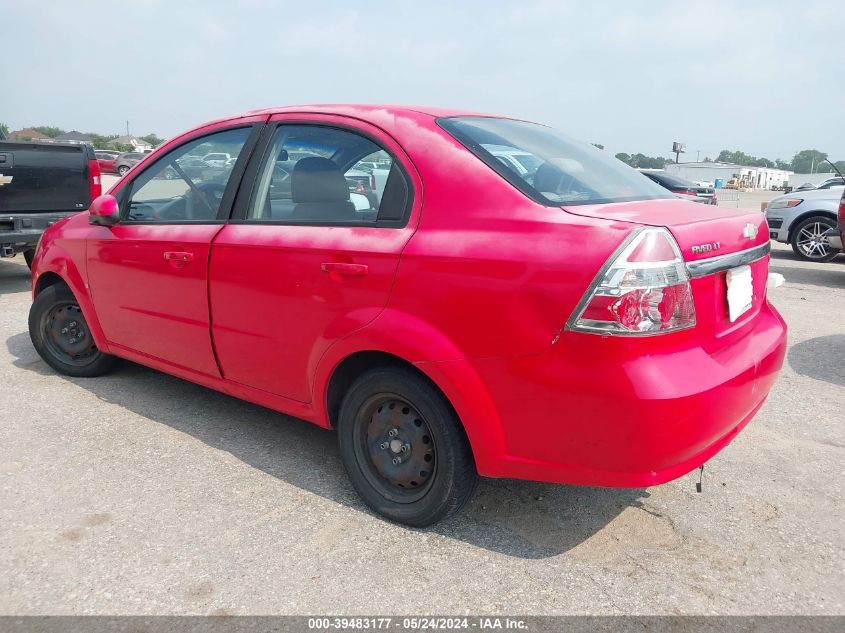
pixel 808 240
pixel 62 337
pixel 122 170
pixel 404 448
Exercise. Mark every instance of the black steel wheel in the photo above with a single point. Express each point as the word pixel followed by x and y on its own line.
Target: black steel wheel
pixel 809 241
pixel 61 335
pixel 404 448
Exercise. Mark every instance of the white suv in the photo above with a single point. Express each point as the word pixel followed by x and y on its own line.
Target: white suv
pixel 802 218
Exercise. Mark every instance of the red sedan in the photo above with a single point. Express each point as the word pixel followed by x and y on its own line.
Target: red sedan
pixel 106 161
pixel 568 321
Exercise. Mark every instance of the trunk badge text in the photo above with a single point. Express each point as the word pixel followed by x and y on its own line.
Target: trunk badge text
pixel 706 248
pixel 750 231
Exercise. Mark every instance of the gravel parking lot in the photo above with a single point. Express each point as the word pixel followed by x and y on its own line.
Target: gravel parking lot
pixel 138 493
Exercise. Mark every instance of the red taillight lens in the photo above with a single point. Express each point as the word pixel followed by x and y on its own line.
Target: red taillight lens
pixel 687 193
pixel 94 179
pixel 841 212
pixel 644 289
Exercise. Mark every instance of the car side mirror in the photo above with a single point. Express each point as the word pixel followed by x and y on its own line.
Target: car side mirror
pixel 104 211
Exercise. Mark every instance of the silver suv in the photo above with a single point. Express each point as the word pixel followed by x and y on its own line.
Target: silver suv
pixel 802 218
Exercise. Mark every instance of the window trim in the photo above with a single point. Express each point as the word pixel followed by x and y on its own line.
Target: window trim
pixel 260 154
pixel 232 185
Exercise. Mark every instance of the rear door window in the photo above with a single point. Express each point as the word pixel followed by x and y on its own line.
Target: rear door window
pixel 319 175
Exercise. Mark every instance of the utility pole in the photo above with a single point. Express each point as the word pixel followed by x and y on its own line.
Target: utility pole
pixel 697 155
pixel 127 127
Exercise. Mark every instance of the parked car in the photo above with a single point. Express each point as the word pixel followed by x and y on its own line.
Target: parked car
pixel 126 161
pixel 802 219
pixel 831 182
pixel 705 195
pixel 105 159
pixel 217 159
pixel 588 327
pixel 836 235
pixel 40 184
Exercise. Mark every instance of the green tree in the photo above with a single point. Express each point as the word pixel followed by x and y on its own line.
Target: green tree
pixel 807 161
pixel 641 161
pixel 4 131
pixel 49 130
pixel 840 165
pixel 102 142
pixel 153 140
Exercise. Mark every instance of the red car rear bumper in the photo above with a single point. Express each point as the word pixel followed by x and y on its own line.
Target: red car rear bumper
pixel 571 416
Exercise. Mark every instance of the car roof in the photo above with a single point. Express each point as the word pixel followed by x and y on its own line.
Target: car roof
pixel 387 117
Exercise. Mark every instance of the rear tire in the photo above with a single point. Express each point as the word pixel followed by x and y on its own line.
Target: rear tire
pixel 122 170
pixel 404 448
pixel 61 335
pixel 808 241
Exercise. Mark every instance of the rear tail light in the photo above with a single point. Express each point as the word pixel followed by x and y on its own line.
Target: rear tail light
pixel 841 212
pixel 94 179
pixel 372 182
pixel 687 193
pixel 642 289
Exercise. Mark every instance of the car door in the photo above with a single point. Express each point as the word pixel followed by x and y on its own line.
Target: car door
pixel 148 274
pixel 305 261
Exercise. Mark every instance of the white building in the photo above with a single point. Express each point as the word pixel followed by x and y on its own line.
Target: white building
pixel 757 177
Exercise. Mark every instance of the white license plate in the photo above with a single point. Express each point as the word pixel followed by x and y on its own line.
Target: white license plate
pixel 740 291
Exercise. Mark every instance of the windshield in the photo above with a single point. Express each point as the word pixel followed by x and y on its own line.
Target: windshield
pixel 559 170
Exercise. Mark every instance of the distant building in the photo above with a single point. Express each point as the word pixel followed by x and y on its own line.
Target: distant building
pixel 73 137
pixel 138 144
pixel 756 177
pixel 28 134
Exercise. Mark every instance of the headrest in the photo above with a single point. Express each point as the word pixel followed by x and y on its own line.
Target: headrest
pixel 548 177
pixel 283 155
pixel 317 179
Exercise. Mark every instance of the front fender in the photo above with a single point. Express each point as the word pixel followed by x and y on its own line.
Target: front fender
pixel 66 258
pixel 421 344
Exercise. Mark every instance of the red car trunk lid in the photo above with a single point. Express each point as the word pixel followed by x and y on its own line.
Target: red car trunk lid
pixel 703 232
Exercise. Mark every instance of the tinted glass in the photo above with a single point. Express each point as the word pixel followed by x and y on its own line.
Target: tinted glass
pixel 322 175
pixel 671 181
pixel 180 186
pixel 562 171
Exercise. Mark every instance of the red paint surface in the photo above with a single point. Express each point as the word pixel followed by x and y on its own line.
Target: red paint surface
pixel 474 291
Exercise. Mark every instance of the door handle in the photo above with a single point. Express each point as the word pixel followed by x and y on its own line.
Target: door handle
pixel 342 268
pixel 178 256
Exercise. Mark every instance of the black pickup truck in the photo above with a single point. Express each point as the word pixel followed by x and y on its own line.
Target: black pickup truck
pixel 41 183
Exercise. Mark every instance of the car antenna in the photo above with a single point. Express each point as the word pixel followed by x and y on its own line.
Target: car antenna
pixel 838 173
pixel 700 473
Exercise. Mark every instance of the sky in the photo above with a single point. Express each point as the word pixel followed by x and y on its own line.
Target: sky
pixel 762 77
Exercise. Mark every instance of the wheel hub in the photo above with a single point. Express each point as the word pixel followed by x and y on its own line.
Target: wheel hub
pixel 401 450
pixel 68 333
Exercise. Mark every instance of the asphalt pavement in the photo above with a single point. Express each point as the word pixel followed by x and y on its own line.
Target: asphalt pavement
pixel 138 493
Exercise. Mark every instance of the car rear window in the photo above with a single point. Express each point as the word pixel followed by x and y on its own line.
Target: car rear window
pixel 559 171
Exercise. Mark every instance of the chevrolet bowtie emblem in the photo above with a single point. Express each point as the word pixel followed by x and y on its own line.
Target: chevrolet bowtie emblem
pixel 5 180
pixel 750 231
